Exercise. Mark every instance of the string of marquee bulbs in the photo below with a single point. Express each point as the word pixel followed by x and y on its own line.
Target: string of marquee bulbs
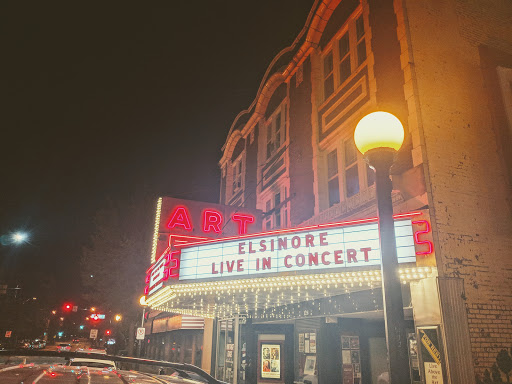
pixel 263 296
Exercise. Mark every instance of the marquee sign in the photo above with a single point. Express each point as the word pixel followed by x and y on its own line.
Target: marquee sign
pixel 180 222
pixel 338 245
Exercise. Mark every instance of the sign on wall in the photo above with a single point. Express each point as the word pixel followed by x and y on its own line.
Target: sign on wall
pixel 302 250
pixel 431 354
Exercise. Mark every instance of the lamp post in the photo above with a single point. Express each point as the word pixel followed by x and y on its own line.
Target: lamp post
pixel 378 136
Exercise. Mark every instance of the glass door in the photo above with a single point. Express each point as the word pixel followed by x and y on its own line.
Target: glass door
pixel 227 350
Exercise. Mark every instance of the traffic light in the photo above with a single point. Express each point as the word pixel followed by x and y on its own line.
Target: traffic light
pixel 67 307
pixel 108 332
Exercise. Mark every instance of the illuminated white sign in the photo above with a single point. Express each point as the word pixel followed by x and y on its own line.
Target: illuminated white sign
pixel 340 247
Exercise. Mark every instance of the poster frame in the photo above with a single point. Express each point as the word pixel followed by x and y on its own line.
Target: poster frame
pixel 275 380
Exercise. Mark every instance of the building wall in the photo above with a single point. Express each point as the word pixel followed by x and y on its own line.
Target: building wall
pixel 251 169
pixel 454 138
pixel 426 64
pixel 301 149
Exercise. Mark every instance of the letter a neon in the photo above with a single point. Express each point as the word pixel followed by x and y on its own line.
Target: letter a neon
pixel 180 218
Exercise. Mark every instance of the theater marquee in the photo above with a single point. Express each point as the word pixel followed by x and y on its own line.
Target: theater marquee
pixel 339 245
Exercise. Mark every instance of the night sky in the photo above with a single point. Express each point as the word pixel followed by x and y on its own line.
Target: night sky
pixel 101 98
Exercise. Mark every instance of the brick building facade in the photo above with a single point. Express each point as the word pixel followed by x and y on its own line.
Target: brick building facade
pixel 444 68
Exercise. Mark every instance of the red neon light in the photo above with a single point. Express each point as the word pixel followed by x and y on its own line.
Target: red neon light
pixel 300 229
pixel 242 221
pixel 212 220
pixel 180 218
pixel 417 237
pixel 184 239
pixel 176 266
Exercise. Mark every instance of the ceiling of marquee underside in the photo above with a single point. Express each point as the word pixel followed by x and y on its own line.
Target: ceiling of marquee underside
pixel 281 297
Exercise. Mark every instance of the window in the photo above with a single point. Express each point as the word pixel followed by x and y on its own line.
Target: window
pixel 276 131
pixel 237 175
pixel 361 43
pixel 348 53
pixel 328 75
pixel 346 173
pixel 351 172
pixel 344 54
pixel 332 176
pixel 267 221
pixel 276 211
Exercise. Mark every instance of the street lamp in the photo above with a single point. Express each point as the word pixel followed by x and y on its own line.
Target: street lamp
pixel 19 237
pixel 118 317
pixel 16 238
pixel 378 136
pixel 144 304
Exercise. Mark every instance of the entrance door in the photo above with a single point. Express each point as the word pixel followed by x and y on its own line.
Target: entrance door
pixel 227 350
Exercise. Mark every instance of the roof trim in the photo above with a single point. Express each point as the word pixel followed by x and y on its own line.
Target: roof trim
pixel 314 27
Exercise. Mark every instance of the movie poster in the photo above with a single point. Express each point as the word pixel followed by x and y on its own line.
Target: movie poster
pixel 310 365
pixel 301 342
pixel 270 361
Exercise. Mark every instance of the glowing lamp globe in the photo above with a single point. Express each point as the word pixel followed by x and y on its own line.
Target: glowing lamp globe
pixel 379 130
pixel 142 301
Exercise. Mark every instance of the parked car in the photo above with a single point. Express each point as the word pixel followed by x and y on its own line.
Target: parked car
pixel 25 344
pixel 38 344
pixel 64 347
pixel 91 363
pixel 86 367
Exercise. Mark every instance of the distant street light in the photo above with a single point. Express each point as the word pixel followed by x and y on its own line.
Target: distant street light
pixel 378 136
pixel 118 318
pixel 19 237
pixel 16 238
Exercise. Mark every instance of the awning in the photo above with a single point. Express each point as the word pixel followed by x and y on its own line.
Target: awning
pixel 258 295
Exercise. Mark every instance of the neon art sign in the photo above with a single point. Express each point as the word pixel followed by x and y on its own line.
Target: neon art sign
pixel 168 264
pixel 212 220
